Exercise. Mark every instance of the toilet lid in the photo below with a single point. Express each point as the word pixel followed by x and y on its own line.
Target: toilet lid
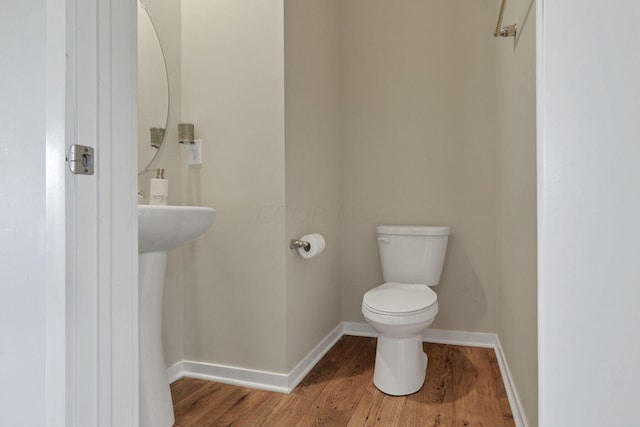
pixel 398 298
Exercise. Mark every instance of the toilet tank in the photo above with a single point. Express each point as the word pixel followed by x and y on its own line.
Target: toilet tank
pixel 412 254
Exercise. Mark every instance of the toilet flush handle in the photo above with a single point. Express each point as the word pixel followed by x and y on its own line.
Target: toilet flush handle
pixel 384 240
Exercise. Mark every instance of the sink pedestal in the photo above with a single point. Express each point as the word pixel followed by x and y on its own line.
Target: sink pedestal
pixel 160 229
pixel 156 407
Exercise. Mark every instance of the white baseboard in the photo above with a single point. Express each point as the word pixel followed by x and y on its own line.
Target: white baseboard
pixel 439 336
pixel 358 329
pixel 285 383
pixel 262 380
pixel 175 372
pixel 512 393
pixel 302 369
pixel 469 339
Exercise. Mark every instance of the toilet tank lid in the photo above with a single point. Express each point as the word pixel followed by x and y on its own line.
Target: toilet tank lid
pixel 414 230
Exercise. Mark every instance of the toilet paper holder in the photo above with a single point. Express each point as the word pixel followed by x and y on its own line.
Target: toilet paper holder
pixel 297 244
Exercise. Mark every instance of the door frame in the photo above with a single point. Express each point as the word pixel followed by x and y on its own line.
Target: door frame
pixel 91 221
pixel 118 228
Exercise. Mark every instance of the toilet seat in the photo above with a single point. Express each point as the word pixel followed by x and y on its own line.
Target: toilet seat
pixel 399 299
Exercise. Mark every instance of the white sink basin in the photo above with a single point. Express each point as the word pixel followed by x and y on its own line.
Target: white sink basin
pixel 162 228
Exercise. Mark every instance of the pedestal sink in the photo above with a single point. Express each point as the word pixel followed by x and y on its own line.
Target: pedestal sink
pixel 160 229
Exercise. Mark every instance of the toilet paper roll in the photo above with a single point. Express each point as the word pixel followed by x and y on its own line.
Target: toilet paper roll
pixel 316 245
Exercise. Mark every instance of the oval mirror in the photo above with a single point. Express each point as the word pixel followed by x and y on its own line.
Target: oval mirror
pixel 153 91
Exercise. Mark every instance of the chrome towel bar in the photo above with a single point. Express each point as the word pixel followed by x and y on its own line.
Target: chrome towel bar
pixel 509 30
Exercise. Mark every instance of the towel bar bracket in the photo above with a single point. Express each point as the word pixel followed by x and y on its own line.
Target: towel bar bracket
pixel 509 30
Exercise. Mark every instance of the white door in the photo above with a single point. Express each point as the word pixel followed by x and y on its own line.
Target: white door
pixel 32 316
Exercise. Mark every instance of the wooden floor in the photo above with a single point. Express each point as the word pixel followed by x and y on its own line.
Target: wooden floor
pixel 463 388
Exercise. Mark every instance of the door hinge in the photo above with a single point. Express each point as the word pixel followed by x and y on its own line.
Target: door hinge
pixel 81 159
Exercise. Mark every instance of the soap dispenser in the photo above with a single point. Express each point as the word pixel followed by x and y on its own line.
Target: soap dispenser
pixel 159 189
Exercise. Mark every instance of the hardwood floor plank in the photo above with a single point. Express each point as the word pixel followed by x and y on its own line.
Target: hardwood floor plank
pixel 192 401
pixel 475 392
pixel 463 388
pixel 204 402
pixel 501 392
pixel 242 403
pixel 433 405
pixel 258 416
pixel 389 412
pixel 488 386
pixel 364 414
pixel 291 410
pixel 287 411
pixel 341 395
pixel 330 366
pixel 184 387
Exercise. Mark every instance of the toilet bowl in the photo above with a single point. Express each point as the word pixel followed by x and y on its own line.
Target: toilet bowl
pixel 399 311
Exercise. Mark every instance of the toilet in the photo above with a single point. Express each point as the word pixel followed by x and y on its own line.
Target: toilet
pixel 404 306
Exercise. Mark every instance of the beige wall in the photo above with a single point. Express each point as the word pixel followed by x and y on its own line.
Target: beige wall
pixel 516 203
pixel 233 91
pixel 391 117
pixel 313 150
pixel 418 84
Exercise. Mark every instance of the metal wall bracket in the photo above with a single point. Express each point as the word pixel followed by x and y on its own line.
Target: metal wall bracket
pixel 296 244
pixel 509 30
pixel 81 159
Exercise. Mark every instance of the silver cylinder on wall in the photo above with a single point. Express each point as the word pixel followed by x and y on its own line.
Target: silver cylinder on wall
pixel 186 133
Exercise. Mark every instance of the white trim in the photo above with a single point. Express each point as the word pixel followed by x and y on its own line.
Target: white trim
pixel 102 282
pixel 541 225
pixel 439 336
pixel 101 214
pixel 358 329
pixel 281 383
pixel 302 369
pixel 469 339
pixel 262 380
pixel 512 393
pixel 118 90
pixel 83 231
pixel 176 371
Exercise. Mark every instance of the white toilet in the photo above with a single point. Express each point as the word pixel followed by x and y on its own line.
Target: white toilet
pixel 403 307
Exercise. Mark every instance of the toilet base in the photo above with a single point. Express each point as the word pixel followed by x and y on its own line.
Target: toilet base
pixel 401 365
